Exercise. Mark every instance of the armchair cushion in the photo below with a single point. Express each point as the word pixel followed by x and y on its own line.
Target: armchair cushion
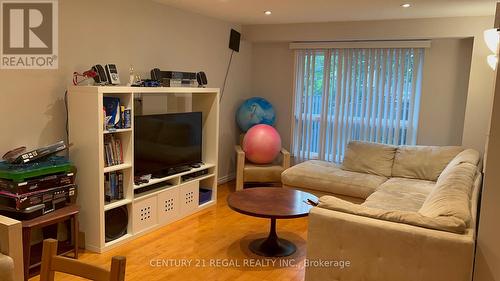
pixel 370 158
pixel 262 173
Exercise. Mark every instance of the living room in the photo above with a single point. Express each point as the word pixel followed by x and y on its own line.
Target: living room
pixel 443 80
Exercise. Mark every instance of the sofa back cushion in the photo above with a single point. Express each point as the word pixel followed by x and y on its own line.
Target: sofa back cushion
pixel 423 162
pixel 452 194
pixel 469 155
pixel 369 158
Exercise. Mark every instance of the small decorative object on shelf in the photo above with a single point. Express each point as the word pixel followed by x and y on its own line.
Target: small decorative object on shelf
pixel 131 79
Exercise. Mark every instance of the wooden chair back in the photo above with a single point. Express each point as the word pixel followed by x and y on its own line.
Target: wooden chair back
pixel 51 263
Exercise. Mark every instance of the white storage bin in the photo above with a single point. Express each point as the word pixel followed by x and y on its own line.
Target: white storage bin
pixel 168 205
pixel 188 197
pixel 145 214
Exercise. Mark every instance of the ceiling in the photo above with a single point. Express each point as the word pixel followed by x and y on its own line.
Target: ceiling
pixel 300 11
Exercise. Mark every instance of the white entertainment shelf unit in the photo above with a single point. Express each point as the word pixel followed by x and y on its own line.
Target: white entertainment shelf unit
pixel 163 200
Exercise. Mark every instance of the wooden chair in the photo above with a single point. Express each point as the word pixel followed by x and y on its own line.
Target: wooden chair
pixel 51 263
pixel 11 249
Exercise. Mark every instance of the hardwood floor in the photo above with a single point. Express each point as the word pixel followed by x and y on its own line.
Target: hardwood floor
pixel 210 245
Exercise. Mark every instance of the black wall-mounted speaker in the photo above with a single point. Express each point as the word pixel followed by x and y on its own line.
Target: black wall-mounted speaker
pixel 234 40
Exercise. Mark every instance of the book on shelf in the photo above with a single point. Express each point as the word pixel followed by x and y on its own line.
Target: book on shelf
pixel 116 116
pixel 113 186
pixel 113 150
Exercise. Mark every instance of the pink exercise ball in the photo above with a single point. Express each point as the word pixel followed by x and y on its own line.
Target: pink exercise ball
pixel 261 144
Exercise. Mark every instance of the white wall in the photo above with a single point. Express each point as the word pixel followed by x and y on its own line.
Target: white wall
pixel 272 79
pixel 479 95
pixel 488 243
pixel 141 33
pixel 444 92
pixel 444 88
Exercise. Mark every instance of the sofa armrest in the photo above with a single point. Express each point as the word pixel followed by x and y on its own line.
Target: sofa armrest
pixel 286 158
pixel 11 244
pixel 383 250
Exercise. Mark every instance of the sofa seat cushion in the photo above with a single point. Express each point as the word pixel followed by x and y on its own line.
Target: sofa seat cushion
pixel 450 224
pixel 329 177
pixel 423 162
pixel 368 157
pixel 400 194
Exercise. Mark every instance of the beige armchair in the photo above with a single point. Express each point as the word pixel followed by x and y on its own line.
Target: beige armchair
pixel 11 250
pixel 268 173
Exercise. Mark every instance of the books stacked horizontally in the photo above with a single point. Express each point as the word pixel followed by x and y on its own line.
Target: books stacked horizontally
pixel 113 150
pixel 113 186
pixel 35 188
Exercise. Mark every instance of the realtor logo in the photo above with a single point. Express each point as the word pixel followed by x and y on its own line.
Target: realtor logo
pixel 29 34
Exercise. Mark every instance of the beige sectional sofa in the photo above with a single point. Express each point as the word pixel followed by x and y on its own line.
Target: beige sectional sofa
pixel 395 213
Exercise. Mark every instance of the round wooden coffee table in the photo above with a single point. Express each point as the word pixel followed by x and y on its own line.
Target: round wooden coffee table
pixel 272 203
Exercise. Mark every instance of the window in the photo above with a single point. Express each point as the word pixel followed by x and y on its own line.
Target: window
pixel 343 94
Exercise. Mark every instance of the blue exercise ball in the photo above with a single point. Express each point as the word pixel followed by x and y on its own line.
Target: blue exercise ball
pixel 255 111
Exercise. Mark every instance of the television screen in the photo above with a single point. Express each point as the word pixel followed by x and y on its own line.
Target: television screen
pixel 166 141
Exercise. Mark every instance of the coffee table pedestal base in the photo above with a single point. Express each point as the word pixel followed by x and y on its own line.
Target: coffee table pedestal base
pixel 272 246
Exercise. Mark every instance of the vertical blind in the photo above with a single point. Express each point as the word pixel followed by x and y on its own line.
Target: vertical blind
pixel 343 94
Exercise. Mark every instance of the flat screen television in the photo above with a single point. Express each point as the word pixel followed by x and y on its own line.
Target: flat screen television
pixel 166 141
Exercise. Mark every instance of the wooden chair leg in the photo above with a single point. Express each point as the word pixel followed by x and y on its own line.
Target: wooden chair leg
pixel 26 252
pixel 240 165
pixel 76 231
pixel 239 182
pixel 49 251
pixel 117 269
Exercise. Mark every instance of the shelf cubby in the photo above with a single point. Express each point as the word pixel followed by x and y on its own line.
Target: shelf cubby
pixel 209 182
pixel 119 221
pixel 123 145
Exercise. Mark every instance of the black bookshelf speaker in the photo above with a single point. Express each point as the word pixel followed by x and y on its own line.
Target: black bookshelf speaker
pixel 201 77
pixel 234 40
pixel 116 223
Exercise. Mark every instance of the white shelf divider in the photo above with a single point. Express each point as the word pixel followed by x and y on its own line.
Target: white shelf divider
pixel 117 167
pixel 112 131
pixel 116 204
pixel 159 180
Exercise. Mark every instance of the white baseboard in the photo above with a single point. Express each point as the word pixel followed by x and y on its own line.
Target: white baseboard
pixel 226 178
